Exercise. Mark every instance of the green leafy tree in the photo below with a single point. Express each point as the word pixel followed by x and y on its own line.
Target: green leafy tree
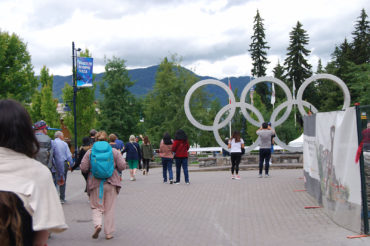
pixel 164 105
pixel 44 106
pixel 16 71
pixel 361 40
pixel 258 50
pixel 119 109
pixel 35 108
pixel 85 108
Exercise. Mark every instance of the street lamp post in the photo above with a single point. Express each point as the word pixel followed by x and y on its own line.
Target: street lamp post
pixel 74 63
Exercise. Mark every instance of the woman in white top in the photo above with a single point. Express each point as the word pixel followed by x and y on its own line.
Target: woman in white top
pixel 235 145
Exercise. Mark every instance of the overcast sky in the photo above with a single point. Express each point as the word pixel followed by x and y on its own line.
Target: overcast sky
pixel 211 36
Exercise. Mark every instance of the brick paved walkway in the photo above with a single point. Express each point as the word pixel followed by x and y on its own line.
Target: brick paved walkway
pixel 212 210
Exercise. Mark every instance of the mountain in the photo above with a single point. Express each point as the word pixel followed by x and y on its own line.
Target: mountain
pixel 144 79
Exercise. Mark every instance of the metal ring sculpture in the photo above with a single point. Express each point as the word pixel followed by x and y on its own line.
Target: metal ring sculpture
pixel 244 106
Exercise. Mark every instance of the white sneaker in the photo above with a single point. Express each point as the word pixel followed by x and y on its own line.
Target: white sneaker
pixel 131 178
pixel 266 175
pixel 232 176
pixel 237 177
pixel 260 175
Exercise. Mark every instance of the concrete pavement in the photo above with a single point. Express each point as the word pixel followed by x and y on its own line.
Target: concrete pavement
pixel 212 210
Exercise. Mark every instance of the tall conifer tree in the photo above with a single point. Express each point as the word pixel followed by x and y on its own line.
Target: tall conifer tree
pixel 361 40
pixel 258 50
pixel 296 65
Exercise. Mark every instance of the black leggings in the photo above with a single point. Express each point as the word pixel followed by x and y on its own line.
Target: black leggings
pixel 235 161
pixel 146 164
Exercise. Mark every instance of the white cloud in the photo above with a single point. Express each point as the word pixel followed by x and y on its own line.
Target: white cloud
pixel 212 36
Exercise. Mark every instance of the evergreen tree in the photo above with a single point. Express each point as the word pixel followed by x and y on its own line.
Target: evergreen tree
pixel 16 71
pixel 85 107
pixel 359 76
pixel 320 68
pixel 296 65
pixel 258 50
pixel 361 40
pixel 330 94
pixel 119 108
pixel 278 72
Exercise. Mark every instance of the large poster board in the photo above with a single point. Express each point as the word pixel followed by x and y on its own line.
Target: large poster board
pixel 331 174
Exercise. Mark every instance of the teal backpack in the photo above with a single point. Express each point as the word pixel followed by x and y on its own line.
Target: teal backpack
pixel 102 163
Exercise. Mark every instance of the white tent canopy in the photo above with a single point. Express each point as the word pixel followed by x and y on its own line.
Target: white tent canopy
pixel 297 142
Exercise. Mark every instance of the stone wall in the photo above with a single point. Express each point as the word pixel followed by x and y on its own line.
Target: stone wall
pixel 250 159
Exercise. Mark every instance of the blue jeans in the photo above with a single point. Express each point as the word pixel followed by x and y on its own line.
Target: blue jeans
pixel 184 163
pixel 167 166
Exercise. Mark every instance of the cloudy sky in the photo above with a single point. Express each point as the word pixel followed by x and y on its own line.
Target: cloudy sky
pixel 211 36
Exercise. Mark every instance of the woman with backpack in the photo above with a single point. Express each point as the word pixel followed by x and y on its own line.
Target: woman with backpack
pixel 104 184
pixel 165 152
pixel 147 154
pixel 180 147
pixel 133 156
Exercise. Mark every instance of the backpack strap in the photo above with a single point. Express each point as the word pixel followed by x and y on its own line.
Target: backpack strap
pixel 135 147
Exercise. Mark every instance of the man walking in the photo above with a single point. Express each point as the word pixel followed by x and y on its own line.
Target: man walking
pixel 62 158
pixel 45 154
pixel 265 133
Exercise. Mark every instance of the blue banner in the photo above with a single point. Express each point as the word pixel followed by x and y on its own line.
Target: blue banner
pixel 84 71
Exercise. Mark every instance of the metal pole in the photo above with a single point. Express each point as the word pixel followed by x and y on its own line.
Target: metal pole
pixel 362 173
pixel 74 96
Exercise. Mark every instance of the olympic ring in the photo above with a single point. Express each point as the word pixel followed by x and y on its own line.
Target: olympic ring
pixel 196 86
pixel 243 106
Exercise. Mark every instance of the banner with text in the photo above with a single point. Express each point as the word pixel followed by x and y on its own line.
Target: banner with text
pixel 84 71
pixel 331 174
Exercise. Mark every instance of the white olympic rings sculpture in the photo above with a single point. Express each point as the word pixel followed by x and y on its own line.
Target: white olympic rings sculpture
pixel 244 106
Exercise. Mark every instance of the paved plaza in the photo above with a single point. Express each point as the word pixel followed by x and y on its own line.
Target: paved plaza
pixel 212 210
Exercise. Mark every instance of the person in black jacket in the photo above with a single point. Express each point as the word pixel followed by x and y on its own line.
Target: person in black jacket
pixel 86 145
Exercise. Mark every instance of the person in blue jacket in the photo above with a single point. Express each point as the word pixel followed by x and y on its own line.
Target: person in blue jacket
pixel 133 156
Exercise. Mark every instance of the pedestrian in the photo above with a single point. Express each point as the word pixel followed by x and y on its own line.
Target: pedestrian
pixel 62 157
pixel 139 141
pixel 29 204
pixel 86 145
pixel 147 154
pixel 118 146
pixel 45 154
pixel 92 136
pixel 224 152
pixel 265 133
pixel 166 154
pixel 272 143
pixel 180 147
pixel 112 141
pixel 236 144
pixel 103 191
pixel 133 156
